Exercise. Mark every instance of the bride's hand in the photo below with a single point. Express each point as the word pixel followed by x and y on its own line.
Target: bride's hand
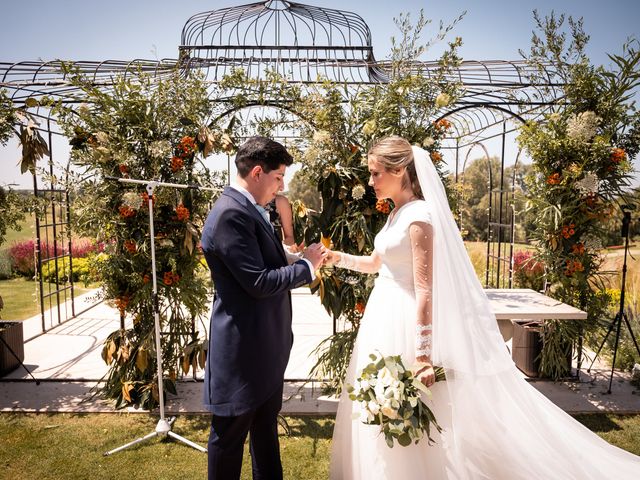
pixel 426 375
pixel 332 257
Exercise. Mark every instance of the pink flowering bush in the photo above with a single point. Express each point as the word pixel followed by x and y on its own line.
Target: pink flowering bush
pixel 527 271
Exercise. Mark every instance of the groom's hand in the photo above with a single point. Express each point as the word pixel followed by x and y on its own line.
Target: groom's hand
pixel 316 254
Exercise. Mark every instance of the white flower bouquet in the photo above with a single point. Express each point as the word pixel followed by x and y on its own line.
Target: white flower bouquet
pixel 389 396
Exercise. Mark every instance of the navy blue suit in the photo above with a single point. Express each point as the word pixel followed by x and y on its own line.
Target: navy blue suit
pixel 250 333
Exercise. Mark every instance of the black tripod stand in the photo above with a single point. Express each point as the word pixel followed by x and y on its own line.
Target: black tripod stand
pixel 621 315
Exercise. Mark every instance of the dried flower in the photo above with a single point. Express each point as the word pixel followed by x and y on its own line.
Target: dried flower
pixel 132 200
pixel 160 149
pixel 428 142
pixel 589 184
pixel 582 127
pixel 443 99
pixel 369 127
pixel 357 192
pixel 321 136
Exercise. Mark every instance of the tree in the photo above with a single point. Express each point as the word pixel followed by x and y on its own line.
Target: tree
pixel 303 189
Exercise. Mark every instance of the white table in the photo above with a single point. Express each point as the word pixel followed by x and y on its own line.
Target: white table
pixel 522 305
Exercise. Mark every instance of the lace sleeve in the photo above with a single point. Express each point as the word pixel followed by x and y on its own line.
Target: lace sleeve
pixel 363 264
pixel 421 235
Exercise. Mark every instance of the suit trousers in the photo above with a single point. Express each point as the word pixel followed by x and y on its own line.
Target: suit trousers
pixel 227 437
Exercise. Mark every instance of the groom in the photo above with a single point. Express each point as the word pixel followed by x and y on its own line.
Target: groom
pixel 250 332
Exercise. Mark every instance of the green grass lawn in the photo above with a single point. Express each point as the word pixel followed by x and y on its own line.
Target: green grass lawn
pixel 64 446
pixel 21 297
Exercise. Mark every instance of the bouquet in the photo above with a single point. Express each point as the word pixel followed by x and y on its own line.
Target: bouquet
pixel 389 396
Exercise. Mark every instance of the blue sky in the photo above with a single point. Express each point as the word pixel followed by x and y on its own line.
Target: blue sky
pixel 150 29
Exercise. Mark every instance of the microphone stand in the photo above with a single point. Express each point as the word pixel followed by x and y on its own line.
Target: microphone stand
pixel 163 428
pixel 621 315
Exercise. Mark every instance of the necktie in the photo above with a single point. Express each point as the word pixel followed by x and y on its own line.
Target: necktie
pixel 264 214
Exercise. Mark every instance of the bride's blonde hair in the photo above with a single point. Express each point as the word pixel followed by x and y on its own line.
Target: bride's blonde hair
pixel 394 153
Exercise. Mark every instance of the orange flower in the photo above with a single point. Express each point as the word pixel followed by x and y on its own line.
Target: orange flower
pixel 176 164
pixel 436 157
pixel 359 307
pixel 130 246
pixel 591 200
pixel 617 155
pixel 353 148
pixel 383 206
pixel 145 197
pixel 126 211
pixel 122 303
pixel 573 266
pixel 146 278
pixel 182 212
pixel 186 147
pixel 554 179
pixel 123 169
pixel 577 249
pixel 443 125
pixel 568 230
pixel 170 278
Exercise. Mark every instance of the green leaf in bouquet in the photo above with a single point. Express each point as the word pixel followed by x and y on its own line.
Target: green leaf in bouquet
pixel 389 439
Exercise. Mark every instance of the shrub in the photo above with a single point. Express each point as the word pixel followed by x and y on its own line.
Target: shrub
pixel 83 270
pixel 23 257
pixel 527 271
pixel 5 265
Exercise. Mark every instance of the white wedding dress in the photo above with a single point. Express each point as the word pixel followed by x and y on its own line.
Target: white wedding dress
pixel 495 425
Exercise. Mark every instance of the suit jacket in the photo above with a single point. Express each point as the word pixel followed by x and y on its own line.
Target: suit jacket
pixel 250 335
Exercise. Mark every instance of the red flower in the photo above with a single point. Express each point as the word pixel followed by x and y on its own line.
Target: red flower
pixel 170 278
pixel 359 307
pixel 145 197
pixel 123 169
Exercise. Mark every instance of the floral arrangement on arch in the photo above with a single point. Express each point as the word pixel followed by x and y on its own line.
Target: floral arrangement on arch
pixel 145 129
pixel 341 124
pixel 581 151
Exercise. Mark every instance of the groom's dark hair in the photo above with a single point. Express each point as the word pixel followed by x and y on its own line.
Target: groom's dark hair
pixel 261 151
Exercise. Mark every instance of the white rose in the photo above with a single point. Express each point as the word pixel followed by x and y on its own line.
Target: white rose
pixel 374 407
pixel 386 377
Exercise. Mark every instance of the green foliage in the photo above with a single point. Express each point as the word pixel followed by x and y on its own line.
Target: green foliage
pixel 582 161
pixel 144 128
pixel 11 212
pixel 84 270
pixel 340 124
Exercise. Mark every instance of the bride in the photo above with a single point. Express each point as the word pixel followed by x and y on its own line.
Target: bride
pixel 428 307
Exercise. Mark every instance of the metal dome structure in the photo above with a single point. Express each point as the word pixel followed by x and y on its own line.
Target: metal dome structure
pixel 305 45
pixel 300 42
